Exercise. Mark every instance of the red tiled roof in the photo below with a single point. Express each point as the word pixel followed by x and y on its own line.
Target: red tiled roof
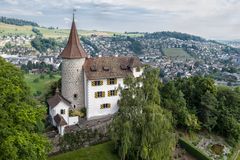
pixel 60 121
pixel 73 49
pixel 110 67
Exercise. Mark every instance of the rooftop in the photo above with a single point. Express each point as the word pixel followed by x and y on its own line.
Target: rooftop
pixel 110 67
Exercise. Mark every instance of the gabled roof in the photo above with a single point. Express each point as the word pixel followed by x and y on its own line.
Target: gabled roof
pixel 60 121
pixel 110 67
pixel 74 49
pixel 56 99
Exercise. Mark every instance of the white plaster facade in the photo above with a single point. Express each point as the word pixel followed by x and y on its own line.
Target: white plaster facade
pixel 53 111
pixel 57 110
pixel 93 105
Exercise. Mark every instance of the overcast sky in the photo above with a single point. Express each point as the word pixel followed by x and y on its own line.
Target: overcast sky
pixel 212 19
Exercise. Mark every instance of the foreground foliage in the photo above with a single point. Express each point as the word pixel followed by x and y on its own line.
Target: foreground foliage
pixel 142 129
pixel 21 118
pixel 210 107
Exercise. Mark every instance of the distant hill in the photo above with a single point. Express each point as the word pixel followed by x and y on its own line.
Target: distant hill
pixel 18 22
pixel 177 35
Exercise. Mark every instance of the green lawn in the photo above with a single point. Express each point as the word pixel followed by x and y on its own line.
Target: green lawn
pixel 42 84
pixel 97 152
pixel 176 52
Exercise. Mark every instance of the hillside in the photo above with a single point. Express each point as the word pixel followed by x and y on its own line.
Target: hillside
pixel 9 29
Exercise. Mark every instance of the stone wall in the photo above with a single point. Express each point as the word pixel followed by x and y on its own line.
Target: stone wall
pixel 82 135
pixel 72 81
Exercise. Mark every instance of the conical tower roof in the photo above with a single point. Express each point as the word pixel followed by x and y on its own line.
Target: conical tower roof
pixel 74 49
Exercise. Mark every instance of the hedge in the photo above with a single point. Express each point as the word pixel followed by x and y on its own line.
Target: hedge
pixel 193 150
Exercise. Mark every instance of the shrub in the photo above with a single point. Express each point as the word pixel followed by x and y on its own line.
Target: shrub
pixel 36 80
pixel 193 150
pixel 42 76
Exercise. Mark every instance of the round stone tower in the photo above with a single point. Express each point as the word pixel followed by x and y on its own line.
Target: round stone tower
pixel 73 57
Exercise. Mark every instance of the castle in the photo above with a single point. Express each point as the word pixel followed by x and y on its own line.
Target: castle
pixel 89 82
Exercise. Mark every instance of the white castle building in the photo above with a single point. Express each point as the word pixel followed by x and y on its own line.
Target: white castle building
pixel 90 83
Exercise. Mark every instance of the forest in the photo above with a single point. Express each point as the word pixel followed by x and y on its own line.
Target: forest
pixel 18 22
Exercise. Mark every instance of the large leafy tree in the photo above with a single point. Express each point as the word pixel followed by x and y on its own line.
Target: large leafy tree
pixel 228 123
pixel 142 129
pixel 209 112
pixel 21 118
pixel 173 100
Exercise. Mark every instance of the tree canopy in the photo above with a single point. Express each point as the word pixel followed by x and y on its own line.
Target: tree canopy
pixel 197 102
pixel 21 118
pixel 18 22
pixel 142 129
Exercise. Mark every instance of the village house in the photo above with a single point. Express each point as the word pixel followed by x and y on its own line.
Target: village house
pixel 89 82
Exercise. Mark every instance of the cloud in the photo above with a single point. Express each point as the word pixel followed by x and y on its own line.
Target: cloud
pixel 18 12
pixel 13 2
pixel 67 20
pixel 208 18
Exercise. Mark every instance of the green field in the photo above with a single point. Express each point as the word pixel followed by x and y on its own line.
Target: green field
pixel 42 84
pixel 176 52
pixel 98 152
pixel 7 29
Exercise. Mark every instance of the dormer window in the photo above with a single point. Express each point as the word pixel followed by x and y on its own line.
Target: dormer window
pixel 105 68
pixel 123 67
pixel 93 68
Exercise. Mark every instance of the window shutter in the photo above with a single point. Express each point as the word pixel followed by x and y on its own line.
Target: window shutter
pixel 103 94
pixel 108 81
pixel 96 94
pixel 101 82
pixel 115 81
pixel 109 93
pixel 93 83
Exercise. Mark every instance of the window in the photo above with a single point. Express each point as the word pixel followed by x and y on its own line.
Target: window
pixel 62 111
pixel 97 83
pixel 99 94
pixel 75 95
pixel 138 69
pixel 112 93
pixel 111 81
pixel 106 105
